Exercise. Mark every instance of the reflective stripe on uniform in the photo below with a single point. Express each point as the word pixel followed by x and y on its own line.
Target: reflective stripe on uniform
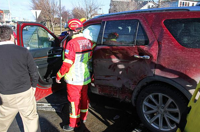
pixel 73 111
pixel 58 73
pixel 74 21
pixel 77 35
pixel 79 72
pixel 90 56
pixel 93 46
pixel 68 61
pixel 84 110
pixel 84 57
pixel 74 116
pixel 87 78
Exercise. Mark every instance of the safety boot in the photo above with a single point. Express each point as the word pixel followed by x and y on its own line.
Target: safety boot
pixel 68 128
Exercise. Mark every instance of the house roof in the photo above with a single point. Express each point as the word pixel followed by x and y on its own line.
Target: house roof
pixel 143 3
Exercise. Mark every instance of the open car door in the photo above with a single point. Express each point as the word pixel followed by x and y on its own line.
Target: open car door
pixel 46 51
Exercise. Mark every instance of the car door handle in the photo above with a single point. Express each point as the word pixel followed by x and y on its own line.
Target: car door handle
pixel 142 57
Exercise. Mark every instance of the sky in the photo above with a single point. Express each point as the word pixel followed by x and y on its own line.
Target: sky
pixel 22 8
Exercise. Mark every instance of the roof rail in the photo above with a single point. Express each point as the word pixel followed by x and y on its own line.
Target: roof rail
pixel 191 8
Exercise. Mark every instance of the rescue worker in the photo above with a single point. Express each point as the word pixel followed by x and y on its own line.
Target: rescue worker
pixel 75 70
pixel 112 39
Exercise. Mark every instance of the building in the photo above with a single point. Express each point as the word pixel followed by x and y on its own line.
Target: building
pixel 178 3
pixel 1 16
pixel 146 5
pixel 126 5
pixel 121 5
pixel 7 16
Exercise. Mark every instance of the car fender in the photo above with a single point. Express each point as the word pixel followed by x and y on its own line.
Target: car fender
pixel 158 79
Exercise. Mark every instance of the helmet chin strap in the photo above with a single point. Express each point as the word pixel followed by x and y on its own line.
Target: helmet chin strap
pixel 76 31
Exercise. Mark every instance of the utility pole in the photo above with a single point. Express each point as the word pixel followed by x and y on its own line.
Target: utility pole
pixel 60 19
pixel 159 3
pixel 9 10
pixel 36 16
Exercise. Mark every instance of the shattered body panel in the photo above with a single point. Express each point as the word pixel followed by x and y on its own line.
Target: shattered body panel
pixel 120 70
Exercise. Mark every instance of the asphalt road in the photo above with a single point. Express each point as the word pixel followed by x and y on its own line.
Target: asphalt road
pixel 105 115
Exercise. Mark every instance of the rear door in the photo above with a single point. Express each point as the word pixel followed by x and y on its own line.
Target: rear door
pixel 45 49
pixel 125 58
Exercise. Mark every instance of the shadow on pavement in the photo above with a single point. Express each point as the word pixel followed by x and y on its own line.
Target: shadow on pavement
pixel 16 124
pixel 45 125
pixel 105 114
pixel 0 101
pixel 58 100
pixel 117 116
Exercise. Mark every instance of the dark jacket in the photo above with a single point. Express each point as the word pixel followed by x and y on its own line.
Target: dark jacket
pixel 18 71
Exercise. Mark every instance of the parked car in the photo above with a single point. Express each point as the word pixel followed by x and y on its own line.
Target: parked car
pixel 154 65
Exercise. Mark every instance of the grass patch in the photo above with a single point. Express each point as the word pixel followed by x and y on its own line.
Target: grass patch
pixel 57 30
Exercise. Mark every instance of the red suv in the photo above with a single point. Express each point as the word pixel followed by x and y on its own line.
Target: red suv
pixel 148 57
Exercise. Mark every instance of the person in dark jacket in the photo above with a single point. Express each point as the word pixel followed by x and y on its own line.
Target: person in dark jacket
pixel 18 81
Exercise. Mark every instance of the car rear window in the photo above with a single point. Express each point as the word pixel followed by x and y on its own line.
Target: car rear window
pixel 185 31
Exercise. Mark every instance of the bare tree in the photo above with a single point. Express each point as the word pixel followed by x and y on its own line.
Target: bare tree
pixel 78 13
pixel 49 9
pixel 66 15
pixel 89 8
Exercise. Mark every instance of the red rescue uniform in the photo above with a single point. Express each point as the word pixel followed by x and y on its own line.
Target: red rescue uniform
pixel 75 70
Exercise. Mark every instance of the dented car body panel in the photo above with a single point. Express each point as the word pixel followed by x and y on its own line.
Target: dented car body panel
pixel 118 68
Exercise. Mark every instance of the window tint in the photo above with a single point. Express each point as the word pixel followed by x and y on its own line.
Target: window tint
pixel 185 31
pixel 35 37
pixel 124 32
pixel 91 32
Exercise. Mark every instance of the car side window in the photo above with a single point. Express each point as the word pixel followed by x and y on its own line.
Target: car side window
pixel 35 37
pixel 124 32
pixel 185 31
pixel 91 32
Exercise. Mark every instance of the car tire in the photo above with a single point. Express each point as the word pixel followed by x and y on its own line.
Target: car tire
pixel 159 107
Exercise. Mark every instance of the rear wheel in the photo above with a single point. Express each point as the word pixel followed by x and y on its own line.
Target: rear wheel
pixel 159 107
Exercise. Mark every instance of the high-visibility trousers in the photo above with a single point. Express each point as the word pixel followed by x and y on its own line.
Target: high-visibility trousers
pixel 79 102
pixel 191 117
